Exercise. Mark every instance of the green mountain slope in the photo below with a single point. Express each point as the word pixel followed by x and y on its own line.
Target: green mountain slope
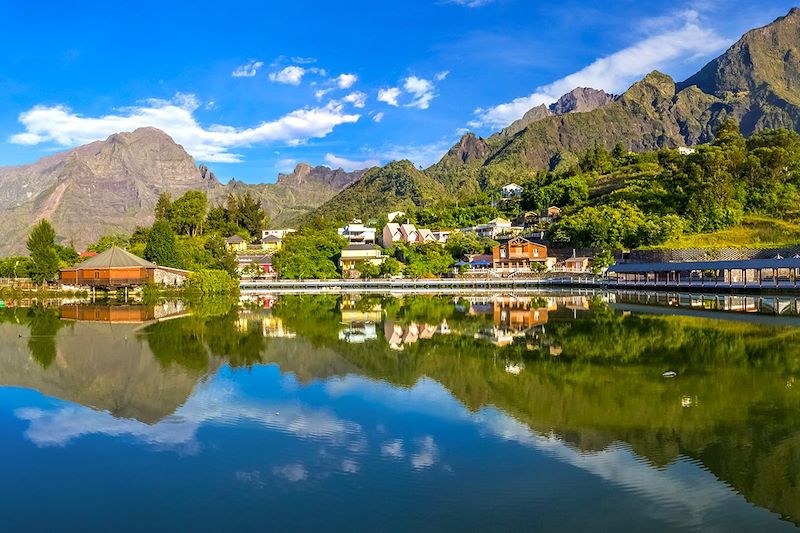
pixel 756 81
pixel 396 186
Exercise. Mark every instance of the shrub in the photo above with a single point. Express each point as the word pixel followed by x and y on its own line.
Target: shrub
pixel 211 282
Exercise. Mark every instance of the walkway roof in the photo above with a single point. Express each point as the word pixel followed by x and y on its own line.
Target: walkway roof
pixel 748 264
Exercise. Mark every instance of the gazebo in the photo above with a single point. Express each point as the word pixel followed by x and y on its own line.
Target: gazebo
pixel 116 268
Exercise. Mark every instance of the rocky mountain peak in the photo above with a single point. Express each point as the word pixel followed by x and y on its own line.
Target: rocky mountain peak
pixel 581 100
pixel 766 57
pixel 468 148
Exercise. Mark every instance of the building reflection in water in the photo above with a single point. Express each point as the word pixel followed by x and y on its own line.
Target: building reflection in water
pixel 360 319
pixel 123 314
pixel 271 326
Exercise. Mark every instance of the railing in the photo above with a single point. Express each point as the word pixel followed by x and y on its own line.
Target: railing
pixel 471 283
pixel 122 282
pixel 17 283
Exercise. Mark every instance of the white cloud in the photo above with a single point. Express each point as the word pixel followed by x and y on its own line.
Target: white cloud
pixel 679 38
pixel 286 164
pixel 441 75
pixel 320 93
pixel 470 3
pixel 423 155
pixel 358 99
pixel 60 125
pixel 393 449
pixel 389 96
pixel 291 75
pixel 350 164
pixel 303 60
pixel 345 81
pixel 248 70
pixel 422 89
pixel 426 455
pixel 377 117
pixel 291 472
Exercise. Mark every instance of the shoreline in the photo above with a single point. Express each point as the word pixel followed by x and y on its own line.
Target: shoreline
pixel 530 284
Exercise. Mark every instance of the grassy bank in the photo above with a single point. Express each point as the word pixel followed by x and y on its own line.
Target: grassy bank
pixel 755 231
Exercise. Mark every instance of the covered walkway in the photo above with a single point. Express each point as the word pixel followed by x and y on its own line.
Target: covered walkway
pixel 777 273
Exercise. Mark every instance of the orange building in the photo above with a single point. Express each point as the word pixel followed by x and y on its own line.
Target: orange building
pixel 119 314
pixel 519 315
pixel 518 254
pixel 116 268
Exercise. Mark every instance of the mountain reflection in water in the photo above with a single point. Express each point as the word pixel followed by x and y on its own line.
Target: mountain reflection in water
pixel 471 386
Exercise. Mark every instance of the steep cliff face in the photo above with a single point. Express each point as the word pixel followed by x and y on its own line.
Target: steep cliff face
pixel 299 192
pixel 113 185
pixel 103 186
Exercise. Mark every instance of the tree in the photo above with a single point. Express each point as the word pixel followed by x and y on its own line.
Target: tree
pixel 107 241
pixel 220 221
pixel 460 244
pixel 368 269
pixel 161 246
pixel 391 267
pixel 163 206
pixel 425 260
pixel 188 213
pixel 309 253
pixel 42 247
pixel 221 257
pixel 250 215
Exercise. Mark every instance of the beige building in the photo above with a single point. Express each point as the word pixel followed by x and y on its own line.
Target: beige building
pixel 357 252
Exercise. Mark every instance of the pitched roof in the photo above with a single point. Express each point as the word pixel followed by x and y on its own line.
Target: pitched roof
pixel 234 239
pixel 270 238
pixel 360 246
pixel 116 257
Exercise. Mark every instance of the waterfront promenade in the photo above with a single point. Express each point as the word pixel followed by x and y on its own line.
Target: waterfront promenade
pixel 435 285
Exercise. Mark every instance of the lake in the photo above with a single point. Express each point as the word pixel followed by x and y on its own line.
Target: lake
pixel 478 413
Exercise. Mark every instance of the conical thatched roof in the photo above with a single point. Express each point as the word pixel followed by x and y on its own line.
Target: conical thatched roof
pixel 116 257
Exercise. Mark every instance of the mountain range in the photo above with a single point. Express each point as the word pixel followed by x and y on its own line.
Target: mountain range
pixel 756 81
pixel 112 185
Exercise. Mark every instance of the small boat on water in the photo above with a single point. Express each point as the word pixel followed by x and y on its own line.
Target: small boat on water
pixel 669 374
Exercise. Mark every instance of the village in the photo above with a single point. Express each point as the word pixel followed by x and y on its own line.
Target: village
pixel 514 247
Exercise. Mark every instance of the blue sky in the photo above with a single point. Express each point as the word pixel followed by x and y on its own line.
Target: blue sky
pixel 252 88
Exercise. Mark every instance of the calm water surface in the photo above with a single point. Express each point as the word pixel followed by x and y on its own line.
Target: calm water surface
pixel 380 413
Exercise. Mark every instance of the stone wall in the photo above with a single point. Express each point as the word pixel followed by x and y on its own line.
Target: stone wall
pixel 170 278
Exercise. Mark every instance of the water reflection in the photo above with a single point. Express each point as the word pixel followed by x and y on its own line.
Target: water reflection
pixel 358 384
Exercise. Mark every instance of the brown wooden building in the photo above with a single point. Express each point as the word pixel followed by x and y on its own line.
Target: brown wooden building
pixel 116 268
pixel 518 254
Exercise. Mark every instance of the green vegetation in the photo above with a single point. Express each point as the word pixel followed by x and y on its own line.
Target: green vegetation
pixel 398 185
pixel 310 253
pixel 668 198
pixel 423 260
pixel 162 248
pixel 212 282
pixel 44 255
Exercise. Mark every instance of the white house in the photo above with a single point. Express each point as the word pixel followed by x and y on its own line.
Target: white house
pixel 441 236
pixel 408 233
pixel 511 190
pixel 494 228
pixel 356 231
pixel 278 233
